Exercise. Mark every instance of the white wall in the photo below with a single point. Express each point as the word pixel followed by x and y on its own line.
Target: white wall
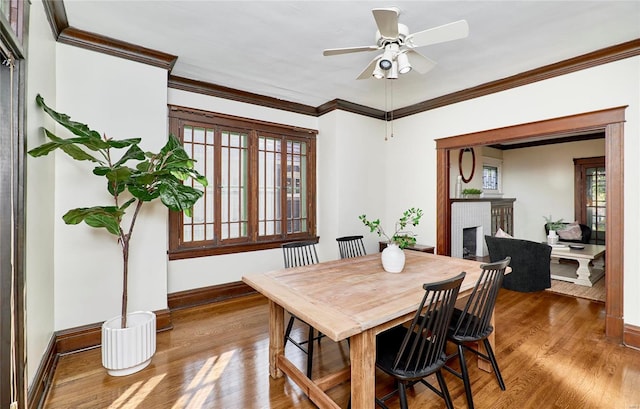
pixel 40 194
pixel 541 179
pixel 352 179
pixel 611 85
pixel 122 99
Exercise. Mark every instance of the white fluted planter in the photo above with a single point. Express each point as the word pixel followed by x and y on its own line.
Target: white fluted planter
pixel 129 350
pixel 392 258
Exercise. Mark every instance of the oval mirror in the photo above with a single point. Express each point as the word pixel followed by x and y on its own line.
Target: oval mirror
pixel 466 166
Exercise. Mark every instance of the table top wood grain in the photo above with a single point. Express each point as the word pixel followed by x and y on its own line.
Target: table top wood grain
pixel 345 297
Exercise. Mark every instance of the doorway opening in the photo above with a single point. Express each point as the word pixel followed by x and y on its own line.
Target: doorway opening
pixel 611 121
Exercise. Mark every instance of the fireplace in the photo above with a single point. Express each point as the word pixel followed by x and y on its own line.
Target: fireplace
pixel 473 220
pixel 470 241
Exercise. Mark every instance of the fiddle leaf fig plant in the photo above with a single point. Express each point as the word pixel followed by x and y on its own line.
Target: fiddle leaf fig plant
pixel 133 179
pixel 400 237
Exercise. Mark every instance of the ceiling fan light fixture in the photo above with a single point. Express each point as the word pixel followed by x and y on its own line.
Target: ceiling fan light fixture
pixel 392 74
pixel 386 61
pixel 403 63
pixel 378 73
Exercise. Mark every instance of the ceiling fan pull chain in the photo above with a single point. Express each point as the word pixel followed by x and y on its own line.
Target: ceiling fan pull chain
pixel 391 87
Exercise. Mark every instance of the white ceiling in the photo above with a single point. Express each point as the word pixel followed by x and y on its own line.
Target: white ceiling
pixel 274 48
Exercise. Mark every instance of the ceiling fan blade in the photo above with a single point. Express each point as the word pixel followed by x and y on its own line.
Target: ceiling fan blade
pixel 440 34
pixel 387 21
pixel 346 50
pixel 419 62
pixel 368 72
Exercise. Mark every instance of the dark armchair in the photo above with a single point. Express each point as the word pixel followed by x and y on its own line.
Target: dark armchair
pixel 530 263
pixel 586 234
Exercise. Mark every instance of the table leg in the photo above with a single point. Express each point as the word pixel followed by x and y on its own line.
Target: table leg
pixel 362 349
pixel 276 338
pixel 584 272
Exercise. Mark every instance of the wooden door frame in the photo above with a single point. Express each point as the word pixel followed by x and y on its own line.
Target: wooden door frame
pixel 611 121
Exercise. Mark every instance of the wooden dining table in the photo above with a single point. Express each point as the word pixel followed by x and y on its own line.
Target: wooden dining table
pixel 351 299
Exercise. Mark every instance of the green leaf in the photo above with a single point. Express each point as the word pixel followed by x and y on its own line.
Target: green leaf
pixel 115 188
pixel 65 145
pixel 107 217
pixel 177 196
pixel 127 204
pixel 134 152
pixel 123 143
pixel 76 128
pixel 141 192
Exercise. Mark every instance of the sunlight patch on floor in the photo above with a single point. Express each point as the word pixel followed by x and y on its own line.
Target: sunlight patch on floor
pixel 203 383
pixel 136 393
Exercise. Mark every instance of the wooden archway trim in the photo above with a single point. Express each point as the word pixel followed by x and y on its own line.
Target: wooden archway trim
pixel 612 122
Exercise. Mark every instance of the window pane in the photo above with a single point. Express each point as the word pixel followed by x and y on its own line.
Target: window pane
pixel 269 193
pixel 489 177
pixel 234 195
pixel 296 187
pixel 200 226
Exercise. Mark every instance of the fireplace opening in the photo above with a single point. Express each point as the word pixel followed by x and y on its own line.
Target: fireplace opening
pixel 469 242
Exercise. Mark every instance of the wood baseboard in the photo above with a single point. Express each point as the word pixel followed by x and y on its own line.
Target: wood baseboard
pixel 631 336
pixel 207 295
pixel 44 376
pixel 90 336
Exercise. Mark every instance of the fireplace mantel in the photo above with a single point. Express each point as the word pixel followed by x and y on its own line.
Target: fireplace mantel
pixel 501 213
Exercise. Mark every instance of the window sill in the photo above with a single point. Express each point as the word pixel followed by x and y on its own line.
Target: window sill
pixel 184 253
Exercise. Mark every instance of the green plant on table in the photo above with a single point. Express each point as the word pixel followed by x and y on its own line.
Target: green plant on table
pixel 557 225
pixel 154 175
pixel 400 237
pixel 471 191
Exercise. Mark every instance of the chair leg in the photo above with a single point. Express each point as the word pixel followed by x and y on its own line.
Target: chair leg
pixel 310 352
pixel 465 376
pixel 402 392
pixel 287 333
pixel 444 390
pixel 494 363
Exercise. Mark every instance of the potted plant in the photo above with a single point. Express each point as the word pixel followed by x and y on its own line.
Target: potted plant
pixel 552 237
pixel 154 176
pixel 393 256
pixel 471 193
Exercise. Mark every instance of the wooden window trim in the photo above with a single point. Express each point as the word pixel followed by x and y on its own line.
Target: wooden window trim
pixel 253 242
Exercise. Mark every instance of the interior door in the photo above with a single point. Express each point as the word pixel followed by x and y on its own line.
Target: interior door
pixel 590 196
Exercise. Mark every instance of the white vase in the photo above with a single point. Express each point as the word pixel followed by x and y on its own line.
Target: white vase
pixel 552 238
pixel 392 258
pixel 129 350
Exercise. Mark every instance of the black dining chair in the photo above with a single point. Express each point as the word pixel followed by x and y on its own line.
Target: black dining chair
pixel 473 323
pixel 296 254
pixel 351 246
pixel 410 354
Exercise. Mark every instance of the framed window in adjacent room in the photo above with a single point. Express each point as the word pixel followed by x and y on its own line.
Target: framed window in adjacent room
pixel 261 189
pixel 491 176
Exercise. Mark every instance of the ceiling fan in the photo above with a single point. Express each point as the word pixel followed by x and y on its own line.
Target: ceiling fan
pixel 397 45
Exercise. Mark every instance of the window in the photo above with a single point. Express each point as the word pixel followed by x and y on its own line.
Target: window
pixel 591 196
pixel 261 189
pixel 491 176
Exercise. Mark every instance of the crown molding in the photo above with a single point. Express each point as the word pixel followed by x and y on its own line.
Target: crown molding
pixel 57 16
pixel 219 91
pixel 589 60
pixel 350 107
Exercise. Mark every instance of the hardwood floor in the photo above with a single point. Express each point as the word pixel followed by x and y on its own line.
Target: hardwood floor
pixel 551 350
